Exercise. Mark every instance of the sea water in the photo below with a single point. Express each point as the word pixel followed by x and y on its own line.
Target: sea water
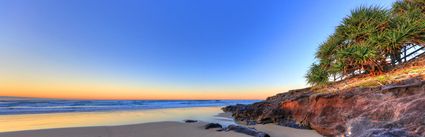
pixel 37 106
pixel 33 114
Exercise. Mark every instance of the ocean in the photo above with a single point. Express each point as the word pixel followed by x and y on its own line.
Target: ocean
pixel 40 106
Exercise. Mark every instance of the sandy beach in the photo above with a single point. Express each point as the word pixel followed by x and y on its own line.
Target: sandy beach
pixel 144 123
pixel 158 129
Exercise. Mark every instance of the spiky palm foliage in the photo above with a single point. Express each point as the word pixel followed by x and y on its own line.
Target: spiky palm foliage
pixel 354 33
pixel 409 19
pixel 402 31
pixel 362 23
pixel 408 7
pixel 317 75
pixel 367 37
pixel 328 48
pixel 327 54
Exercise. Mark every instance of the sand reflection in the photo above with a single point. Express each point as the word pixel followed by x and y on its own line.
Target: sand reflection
pixel 83 119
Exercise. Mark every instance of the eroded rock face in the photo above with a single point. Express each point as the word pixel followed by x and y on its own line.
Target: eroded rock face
pixel 389 111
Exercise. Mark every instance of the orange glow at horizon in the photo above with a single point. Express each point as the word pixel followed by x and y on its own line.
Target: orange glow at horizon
pixel 129 94
pixel 111 91
pixel 89 86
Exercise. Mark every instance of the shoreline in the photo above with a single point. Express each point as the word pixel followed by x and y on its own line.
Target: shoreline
pixel 149 123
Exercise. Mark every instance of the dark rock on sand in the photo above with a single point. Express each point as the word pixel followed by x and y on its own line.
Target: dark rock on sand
pixel 213 125
pixel 247 131
pixel 190 121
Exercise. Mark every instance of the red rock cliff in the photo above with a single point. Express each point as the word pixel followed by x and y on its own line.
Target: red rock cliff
pixel 392 110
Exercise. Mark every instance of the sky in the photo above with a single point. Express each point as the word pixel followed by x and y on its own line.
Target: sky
pixel 162 49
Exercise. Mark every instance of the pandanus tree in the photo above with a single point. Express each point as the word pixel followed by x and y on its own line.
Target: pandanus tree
pixel 356 31
pixel 367 38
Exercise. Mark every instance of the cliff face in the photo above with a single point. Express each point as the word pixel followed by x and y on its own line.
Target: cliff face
pixel 396 111
pixel 391 110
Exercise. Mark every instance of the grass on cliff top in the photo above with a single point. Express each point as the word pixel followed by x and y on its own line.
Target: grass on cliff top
pixel 374 81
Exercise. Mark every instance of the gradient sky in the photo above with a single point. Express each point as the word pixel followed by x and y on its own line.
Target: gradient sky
pixel 162 49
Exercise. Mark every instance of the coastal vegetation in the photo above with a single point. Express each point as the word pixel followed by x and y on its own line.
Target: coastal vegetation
pixel 370 41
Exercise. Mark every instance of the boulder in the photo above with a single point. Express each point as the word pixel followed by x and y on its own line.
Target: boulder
pixel 213 125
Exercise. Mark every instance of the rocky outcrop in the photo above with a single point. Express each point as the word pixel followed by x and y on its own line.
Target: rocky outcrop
pixel 396 110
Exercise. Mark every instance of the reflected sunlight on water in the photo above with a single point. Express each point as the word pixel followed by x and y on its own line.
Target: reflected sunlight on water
pixel 83 119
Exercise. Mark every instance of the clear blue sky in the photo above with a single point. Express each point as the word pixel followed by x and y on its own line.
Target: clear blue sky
pixel 225 44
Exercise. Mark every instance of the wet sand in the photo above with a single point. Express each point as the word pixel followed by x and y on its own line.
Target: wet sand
pixel 108 118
